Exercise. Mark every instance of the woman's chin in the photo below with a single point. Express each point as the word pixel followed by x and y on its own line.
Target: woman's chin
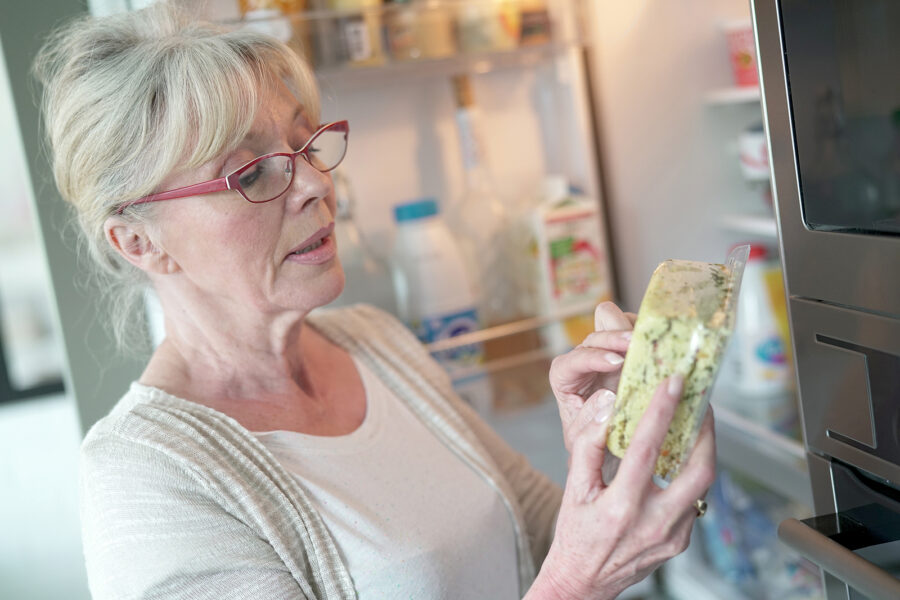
pixel 331 287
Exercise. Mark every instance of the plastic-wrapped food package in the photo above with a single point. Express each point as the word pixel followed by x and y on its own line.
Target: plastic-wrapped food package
pixel 684 323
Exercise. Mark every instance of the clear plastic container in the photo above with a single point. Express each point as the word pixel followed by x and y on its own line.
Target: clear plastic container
pixel 684 324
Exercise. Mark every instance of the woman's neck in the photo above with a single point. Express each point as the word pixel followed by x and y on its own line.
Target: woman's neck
pixel 216 354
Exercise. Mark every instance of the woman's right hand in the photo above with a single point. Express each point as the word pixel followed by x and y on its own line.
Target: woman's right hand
pixel 609 537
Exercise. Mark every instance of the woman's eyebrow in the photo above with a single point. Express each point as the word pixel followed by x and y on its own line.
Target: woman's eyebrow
pixel 254 136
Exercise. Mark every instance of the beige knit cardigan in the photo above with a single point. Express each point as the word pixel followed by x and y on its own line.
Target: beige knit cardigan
pixel 180 501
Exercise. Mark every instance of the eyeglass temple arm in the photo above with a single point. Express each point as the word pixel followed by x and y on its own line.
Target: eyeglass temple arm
pixel 207 187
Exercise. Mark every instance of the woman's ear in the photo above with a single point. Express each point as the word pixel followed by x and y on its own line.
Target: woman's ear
pixel 134 244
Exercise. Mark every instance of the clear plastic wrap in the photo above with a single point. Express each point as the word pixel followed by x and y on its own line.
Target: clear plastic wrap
pixel 683 326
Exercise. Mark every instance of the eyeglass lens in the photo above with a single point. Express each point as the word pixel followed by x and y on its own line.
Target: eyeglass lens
pixel 271 177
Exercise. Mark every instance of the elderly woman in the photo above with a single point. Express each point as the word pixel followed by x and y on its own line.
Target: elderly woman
pixel 271 452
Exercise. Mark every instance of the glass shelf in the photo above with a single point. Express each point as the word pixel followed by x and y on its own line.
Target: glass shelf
pixel 523 335
pixel 733 95
pixel 362 45
pixel 350 77
pixel 766 456
pixel 749 224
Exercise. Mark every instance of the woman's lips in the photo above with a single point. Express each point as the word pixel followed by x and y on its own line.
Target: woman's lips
pixel 325 249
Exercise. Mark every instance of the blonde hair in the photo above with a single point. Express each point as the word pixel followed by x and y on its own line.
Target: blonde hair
pixel 130 98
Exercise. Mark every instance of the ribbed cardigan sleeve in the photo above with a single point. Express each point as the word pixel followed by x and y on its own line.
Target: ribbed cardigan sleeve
pixel 153 529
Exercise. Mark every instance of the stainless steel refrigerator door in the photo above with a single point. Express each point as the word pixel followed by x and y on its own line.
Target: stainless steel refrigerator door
pixel 847 269
pixel 848 366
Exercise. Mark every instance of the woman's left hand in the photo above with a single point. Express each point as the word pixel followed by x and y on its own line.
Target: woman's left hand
pixel 585 377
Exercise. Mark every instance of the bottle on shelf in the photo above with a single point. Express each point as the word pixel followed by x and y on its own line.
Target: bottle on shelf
pixel 480 220
pixel 434 292
pixel 366 277
pixel 757 367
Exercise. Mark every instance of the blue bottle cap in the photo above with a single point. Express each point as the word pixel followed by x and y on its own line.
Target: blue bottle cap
pixel 417 209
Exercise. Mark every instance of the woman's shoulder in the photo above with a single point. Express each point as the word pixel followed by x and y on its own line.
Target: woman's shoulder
pixel 148 421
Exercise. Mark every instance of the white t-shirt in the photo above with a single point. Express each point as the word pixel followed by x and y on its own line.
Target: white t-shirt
pixel 410 519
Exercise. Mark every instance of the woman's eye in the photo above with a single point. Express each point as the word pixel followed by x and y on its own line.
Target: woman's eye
pixel 250 176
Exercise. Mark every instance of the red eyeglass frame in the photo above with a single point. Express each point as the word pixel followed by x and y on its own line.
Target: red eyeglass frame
pixel 231 181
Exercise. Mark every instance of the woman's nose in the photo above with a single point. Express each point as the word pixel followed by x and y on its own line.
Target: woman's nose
pixel 309 184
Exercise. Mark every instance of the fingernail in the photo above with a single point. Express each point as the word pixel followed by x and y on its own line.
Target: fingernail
pixel 676 384
pixel 626 335
pixel 614 359
pixel 605 410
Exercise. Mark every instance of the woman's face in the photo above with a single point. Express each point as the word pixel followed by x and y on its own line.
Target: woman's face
pixel 257 256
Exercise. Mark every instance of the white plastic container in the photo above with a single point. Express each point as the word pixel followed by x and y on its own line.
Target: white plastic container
pixel 434 292
pixel 762 369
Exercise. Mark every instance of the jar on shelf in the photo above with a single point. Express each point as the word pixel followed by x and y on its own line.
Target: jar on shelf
pixel 359 28
pixel 487 25
pixel 400 25
pixel 534 23
pixel 417 29
pixel 435 34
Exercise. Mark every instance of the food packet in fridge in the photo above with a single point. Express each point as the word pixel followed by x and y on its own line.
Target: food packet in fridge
pixel 683 325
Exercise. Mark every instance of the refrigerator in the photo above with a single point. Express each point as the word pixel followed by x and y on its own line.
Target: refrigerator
pixel 631 102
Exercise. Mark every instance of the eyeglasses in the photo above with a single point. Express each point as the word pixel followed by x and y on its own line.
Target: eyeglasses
pixel 265 178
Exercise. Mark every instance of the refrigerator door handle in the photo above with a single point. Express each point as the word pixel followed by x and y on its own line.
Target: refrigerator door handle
pixel 831 556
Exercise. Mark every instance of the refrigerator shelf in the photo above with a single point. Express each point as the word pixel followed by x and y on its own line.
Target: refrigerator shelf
pixel 352 77
pixel 750 224
pixel 366 46
pixel 513 328
pixel 769 457
pixel 513 360
pixel 733 95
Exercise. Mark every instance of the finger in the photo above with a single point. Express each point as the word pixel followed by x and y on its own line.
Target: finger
pixel 568 371
pixel 609 317
pixel 589 447
pixel 617 341
pixel 699 471
pixel 639 461
pixel 599 400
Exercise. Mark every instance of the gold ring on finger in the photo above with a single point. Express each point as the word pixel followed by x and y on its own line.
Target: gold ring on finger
pixel 700 505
